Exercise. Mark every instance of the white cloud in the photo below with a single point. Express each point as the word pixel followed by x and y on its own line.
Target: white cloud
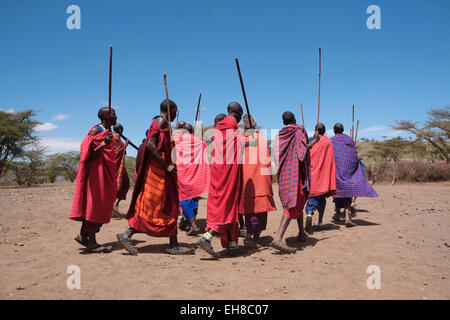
pixel 379 132
pixel 47 126
pixel 10 110
pixel 60 117
pixel 54 145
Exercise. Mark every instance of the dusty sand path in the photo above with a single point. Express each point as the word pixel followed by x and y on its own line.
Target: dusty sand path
pixel 405 233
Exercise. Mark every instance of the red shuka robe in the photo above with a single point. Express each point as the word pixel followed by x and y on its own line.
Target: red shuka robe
pixel 226 179
pixel 322 168
pixel 155 204
pixel 95 189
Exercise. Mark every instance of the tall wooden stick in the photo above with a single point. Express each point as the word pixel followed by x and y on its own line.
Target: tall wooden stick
pixel 356 134
pixel 243 92
pixel 353 121
pixel 303 120
pixel 197 114
pixel 110 79
pixel 168 107
pixel 129 142
pixel 320 73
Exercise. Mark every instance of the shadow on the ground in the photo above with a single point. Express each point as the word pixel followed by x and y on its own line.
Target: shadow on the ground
pixel 310 242
pixel 325 227
pixel 358 222
pixel 161 248
pixel 114 245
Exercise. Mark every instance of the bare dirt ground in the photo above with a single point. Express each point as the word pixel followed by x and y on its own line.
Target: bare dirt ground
pixel 405 232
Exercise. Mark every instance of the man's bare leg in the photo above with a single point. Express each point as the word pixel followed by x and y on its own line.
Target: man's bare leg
pixel 193 230
pixel 348 221
pixel 278 243
pixel 242 230
pixel 301 230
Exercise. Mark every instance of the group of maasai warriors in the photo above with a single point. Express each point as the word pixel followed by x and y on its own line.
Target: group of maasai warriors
pixel 173 171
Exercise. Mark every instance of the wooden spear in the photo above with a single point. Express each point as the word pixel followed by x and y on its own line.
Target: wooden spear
pixel 320 73
pixel 243 92
pixel 303 120
pixel 356 133
pixel 197 116
pixel 110 79
pixel 130 143
pixel 168 107
pixel 353 121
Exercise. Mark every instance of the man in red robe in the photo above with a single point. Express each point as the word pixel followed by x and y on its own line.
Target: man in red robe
pixel 292 158
pixel 155 204
pixel 192 174
pixel 95 189
pixel 257 193
pixel 226 183
pixel 323 178
pixel 123 181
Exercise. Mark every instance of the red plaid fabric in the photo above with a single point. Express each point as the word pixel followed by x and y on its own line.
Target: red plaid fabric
pixel 291 155
pixel 350 178
pixel 95 189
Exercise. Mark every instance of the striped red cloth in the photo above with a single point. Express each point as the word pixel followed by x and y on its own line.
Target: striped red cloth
pixel 226 179
pixel 95 189
pixel 291 155
pixel 192 166
pixel 323 169
pixel 257 193
pixel 350 178
pixel 123 181
pixel 171 203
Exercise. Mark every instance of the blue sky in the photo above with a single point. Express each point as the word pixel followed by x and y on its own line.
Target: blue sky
pixel 395 73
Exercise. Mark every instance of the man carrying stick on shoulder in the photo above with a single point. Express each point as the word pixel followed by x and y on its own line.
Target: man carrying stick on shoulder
pixel 292 158
pixel 155 205
pixel 226 183
pixel 257 193
pixel 323 178
pixel 95 189
pixel 350 178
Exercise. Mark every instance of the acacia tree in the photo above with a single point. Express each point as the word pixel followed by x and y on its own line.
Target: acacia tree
pixel 16 133
pixel 436 130
pixel 65 164
pixel 31 167
pixel 391 151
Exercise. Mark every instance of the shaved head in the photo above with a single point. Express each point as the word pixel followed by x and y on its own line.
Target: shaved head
pixel 181 125
pixel 338 128
pixel 289 118
pixel 321 128
pixel 247 122
pixel 235 110
pixel 103 112
pixel 189 127
pixel 118 128
pixel 103 115
pixel 219 118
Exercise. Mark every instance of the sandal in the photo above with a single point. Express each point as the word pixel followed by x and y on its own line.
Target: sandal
pixel 302 237
pixel 243 233
pixel 126 243
pixel 180 250
pixel 350 224
pixel 81 241
pixel 206 245
pixel 192 231
pixel 98 248
pixel 282 247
